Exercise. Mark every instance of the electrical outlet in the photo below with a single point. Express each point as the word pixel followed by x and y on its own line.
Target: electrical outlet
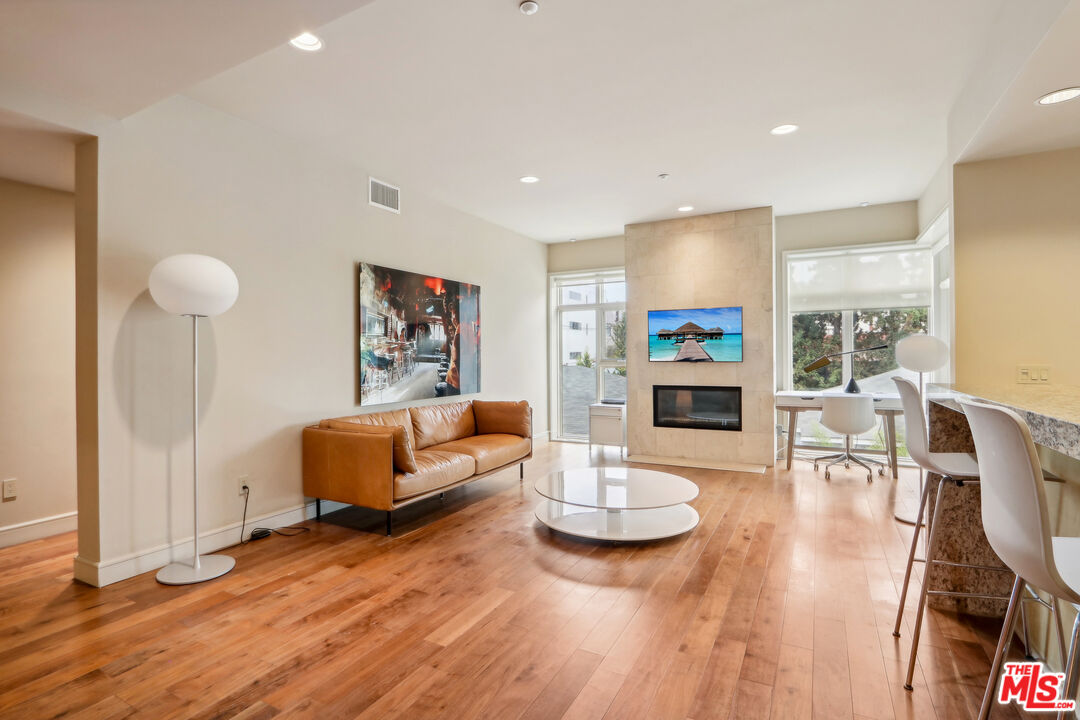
pixel 1033 374
pixel 10 489
pixel 242 482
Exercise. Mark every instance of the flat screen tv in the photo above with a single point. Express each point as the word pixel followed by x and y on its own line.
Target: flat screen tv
pixel 698 335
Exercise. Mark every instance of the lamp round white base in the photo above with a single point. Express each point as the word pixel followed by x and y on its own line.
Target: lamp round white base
pixel 617 525
pixel 210 567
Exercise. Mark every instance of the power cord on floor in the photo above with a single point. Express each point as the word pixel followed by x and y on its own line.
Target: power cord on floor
pixel 260 532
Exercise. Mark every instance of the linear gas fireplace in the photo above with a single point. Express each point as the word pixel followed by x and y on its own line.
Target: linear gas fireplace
pixel 697 406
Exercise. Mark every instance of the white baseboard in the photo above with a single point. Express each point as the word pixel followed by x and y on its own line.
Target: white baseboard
pixel 106 572
pixel 37 529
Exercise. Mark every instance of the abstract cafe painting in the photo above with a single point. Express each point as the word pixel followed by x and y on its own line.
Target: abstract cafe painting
pixel 419 336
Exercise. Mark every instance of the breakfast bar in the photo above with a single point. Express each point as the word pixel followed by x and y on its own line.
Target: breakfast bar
pixel 1053 414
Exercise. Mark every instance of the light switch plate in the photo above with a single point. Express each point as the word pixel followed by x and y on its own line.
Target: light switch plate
pixel 10 489
pixel 1033 374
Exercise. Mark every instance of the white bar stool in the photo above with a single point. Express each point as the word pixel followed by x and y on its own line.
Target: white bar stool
pixel 1017 524
pixel 848 414
pixel 959 469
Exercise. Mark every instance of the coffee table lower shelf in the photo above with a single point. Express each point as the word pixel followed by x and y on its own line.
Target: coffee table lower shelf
pixel 617 525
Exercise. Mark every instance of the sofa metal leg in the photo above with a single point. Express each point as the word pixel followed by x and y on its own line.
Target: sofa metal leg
pixel 521 471
pixel 318 509
pixel 389 522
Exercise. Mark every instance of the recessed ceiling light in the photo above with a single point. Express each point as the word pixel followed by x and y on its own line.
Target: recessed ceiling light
pixel 686 208
pixel 784 129
pixel 1059 96
pixel 864 204
pixel 529 7
pixel 529 179
pixel 573 239
pixel 306 41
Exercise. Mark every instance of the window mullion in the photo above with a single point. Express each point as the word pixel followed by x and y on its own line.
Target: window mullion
pixel 847 340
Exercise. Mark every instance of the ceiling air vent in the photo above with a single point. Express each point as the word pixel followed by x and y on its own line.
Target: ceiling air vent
pixel 383 195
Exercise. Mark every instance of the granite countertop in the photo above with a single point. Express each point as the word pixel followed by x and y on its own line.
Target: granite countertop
pixel 1051 411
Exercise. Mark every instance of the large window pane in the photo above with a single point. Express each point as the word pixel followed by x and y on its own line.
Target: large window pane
pixel 814 335
pixel 874 370
pixel 615 335
pixel 577 374
pixel 578 294
pixel 615 292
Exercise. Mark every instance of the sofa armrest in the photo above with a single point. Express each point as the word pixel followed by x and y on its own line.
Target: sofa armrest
pixel 512 418
pixel 349 467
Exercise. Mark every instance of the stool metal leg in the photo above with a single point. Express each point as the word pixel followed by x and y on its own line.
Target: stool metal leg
pixel 1008 627
pixel 920 521
pixel 1056 609
pixel 925 586
pixel 1072 669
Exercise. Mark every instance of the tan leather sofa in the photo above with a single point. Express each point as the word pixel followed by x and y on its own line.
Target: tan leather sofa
pixel 387 460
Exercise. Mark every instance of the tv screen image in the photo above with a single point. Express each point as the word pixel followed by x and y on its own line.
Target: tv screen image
pixel 698 335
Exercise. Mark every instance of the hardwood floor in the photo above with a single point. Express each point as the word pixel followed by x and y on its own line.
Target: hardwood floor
pixel 778 605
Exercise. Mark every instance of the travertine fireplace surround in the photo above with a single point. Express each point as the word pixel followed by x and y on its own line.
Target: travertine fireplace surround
pixel 717 260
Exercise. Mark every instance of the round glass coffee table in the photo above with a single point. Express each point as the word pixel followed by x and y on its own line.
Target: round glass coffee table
pixel 616 503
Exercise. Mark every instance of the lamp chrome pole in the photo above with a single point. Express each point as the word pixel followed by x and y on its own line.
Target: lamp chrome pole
pixel 211 566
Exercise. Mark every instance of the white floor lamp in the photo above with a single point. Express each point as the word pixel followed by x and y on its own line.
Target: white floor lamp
pixel 195 286
pixel 923 354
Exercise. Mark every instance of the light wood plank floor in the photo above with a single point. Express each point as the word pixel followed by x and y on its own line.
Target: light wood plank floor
pixel 779 605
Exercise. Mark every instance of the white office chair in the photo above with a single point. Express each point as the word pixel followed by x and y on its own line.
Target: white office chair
pixel 1017 524
pixel 848 414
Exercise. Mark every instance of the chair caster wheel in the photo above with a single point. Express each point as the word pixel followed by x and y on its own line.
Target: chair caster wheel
pixel 881 472
pixel 896 634
pixel 847 466
pixel 815 467
pixel 826 474
pixel 869 477
pixel 909 688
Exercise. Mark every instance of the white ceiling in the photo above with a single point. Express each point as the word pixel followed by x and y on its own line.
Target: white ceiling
pixel 37 153
pixel 459 99
pixel 119 56
pixel 1017 125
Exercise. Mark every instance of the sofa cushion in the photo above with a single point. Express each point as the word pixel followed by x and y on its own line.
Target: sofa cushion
pixel 404 461
pixel 434 424
pixel 512 418
pixel 489 451
pixel 435 469
pixel 387 417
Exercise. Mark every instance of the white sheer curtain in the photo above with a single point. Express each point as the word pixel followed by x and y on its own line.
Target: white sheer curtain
pixel 859 278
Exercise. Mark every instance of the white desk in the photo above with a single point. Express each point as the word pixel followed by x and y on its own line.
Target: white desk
pixel 795 401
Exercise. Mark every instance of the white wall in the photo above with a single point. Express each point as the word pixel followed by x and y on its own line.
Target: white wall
pixel 180 177
pixel 1017 250
pixel 37 366
pixel 592 254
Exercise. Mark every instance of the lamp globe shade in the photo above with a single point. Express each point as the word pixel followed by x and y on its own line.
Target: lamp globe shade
pixel 193 285
pixel 922 353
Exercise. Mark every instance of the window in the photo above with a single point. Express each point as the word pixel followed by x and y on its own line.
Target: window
pixel 588 345
pixel 846 299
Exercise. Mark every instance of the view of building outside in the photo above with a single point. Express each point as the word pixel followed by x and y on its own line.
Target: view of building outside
pixel 591 349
